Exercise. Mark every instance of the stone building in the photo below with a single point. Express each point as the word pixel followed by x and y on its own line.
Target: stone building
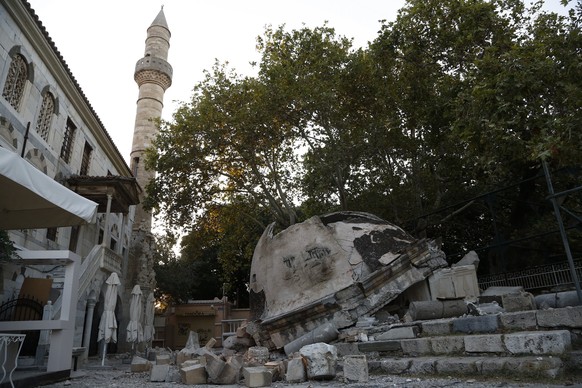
pixel 46 118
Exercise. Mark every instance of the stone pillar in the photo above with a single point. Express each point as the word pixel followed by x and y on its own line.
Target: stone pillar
pixel 105 241
pixel 91 301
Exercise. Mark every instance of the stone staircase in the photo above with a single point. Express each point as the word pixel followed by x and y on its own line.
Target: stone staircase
pixel 535 343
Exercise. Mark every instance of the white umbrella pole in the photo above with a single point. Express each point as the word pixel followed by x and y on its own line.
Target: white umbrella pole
pixel 104 351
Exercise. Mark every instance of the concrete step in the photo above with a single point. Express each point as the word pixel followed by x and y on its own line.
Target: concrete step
pixel 527 366
pixel 542 343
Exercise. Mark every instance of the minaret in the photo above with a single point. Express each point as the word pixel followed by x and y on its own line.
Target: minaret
pixel 153 75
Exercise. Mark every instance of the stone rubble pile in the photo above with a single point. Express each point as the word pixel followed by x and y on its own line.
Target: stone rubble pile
pixel 256 366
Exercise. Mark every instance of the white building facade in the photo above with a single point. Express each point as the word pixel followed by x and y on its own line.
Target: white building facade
pixel 46 118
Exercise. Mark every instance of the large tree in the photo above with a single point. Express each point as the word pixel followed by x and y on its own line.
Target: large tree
pixel 450 102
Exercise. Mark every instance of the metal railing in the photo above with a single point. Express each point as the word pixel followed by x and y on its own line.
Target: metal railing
pixel 535 278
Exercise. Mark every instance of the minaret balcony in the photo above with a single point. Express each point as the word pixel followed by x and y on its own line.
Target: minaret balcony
pixel 153 69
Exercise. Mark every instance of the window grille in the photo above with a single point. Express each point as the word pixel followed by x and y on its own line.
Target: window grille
pixel 43 124
pixel 86 159
pixel 15 81
pixel 68 141
pixel 51 234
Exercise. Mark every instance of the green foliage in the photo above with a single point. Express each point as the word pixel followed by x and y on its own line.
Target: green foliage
pixel 7 249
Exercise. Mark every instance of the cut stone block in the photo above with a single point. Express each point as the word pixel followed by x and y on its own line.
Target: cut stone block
pixel 380 346
pixel 230 373
pixel 395 366
pixel 257 376
pixel 159 373
pixel 277 369
pixel 561 317
pixel 356 368
pixel 437 327
pixel 522 320
pixel 484 343
pixel 320 360
pixel 456 365
pixel 346 349
pixel 193 341
pixel 447 345
pixel 214 366
pixel 542 342
pixel 398 333
pixel 193 374
pixel 469 325
pixel 139 365
pixel 163 359
pixel 210 343
pixel 422 366
pixel 416 347
pixel 523 301
pixel 257 356
pixel 295 371
pixel 455 282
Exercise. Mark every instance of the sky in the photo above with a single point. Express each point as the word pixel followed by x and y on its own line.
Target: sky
pixel 101 41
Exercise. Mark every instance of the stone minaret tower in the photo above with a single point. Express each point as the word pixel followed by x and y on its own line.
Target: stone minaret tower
pixel 153 75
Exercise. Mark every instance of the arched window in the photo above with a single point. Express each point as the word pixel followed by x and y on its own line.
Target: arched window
pixel 43 124
pixel 15 81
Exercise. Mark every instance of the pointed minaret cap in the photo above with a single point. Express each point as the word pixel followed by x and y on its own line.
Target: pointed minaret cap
pixel 160 20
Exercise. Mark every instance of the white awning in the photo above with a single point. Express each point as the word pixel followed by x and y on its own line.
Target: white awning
pixel 30 199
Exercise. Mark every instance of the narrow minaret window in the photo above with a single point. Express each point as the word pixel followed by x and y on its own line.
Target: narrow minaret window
pixel 134 168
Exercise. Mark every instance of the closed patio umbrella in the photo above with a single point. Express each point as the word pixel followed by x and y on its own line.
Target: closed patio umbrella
pixel 149 330
pixel 134 327
pixel 108 323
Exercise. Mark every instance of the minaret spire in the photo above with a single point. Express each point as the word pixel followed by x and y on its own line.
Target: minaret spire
pixel 153 75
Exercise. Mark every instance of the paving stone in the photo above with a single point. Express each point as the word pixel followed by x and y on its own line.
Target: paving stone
pixel 356 368
pixel 522 320
pixel 544 342
pixel 484 343
pixel 561 317
pixel 447 345
pixel 482 324
pixel 257 376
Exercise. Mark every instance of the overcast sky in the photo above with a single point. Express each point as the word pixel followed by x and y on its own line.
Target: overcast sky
pixel 102 40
